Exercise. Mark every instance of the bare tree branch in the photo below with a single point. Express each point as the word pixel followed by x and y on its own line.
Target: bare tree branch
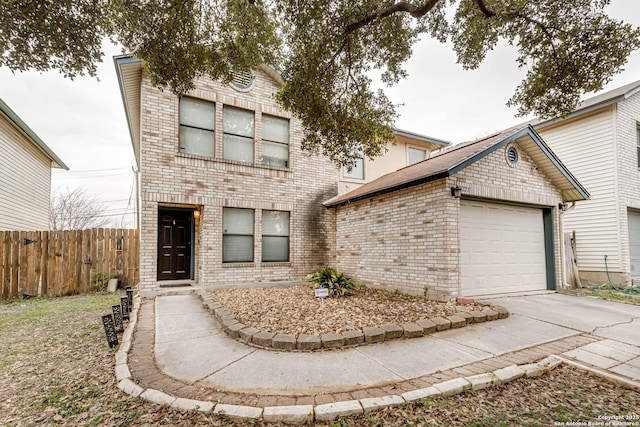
pixel 75 210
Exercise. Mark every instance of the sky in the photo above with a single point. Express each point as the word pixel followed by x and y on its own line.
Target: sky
pixel 84 123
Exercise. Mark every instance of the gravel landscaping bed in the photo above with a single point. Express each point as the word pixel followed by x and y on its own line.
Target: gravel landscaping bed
pixel 295 310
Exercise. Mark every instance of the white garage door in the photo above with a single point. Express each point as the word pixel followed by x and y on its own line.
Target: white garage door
pixel 634 242
pixel 502 249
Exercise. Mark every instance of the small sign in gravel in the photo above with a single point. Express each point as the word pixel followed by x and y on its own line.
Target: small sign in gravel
pixel 322 292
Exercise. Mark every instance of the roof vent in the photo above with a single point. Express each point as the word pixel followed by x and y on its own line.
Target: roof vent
pixel 512 155
pixel 242 80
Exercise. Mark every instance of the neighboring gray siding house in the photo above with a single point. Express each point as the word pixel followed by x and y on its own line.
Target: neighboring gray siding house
pixel 478 219
pixel 600 144
pixel 25 175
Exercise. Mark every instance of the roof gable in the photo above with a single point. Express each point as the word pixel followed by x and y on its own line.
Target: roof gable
pixel 461 156
pixel 31 135
pixel 594 103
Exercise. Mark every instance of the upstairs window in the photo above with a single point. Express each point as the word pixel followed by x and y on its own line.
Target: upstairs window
pixel 275 236
pixel 197 127
pixel 415 155
pixel 275 141
pixel 238 134
pixel 357 170
pixel 237 236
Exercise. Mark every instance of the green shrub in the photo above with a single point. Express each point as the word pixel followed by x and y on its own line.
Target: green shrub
pixel 99 281
pixel 338 284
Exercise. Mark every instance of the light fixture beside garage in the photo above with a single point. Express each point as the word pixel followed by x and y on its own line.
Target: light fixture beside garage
pixel 563 206
pixel 456 191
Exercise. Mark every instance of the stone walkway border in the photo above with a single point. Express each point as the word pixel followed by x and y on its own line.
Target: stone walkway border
pixel 289 342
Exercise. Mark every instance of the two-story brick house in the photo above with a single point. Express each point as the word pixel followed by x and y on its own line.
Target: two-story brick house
pixel 600 143
pixel 227 194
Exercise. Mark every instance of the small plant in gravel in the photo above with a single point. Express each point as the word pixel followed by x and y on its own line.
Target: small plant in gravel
pixel 338 284
pixel 99 281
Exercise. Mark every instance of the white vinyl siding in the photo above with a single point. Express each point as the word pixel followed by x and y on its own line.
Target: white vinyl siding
pixel 587 148
pixel 25 181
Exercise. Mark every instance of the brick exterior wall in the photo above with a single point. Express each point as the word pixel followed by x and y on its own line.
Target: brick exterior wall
pixel 409 239
pixel 173 179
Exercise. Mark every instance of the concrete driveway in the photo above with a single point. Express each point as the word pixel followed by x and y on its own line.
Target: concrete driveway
pixel 606 319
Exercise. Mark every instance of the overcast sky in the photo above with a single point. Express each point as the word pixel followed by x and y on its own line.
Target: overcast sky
pixel 83 120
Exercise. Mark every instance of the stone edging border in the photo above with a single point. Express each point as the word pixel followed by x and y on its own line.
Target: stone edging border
pixel 289 342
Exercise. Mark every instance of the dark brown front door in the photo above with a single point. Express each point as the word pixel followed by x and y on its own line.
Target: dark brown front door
pixel 174 244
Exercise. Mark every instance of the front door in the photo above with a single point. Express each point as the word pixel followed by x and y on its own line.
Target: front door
pixel 174 244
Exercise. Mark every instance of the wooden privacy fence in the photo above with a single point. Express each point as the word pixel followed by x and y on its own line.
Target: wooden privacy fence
pixel 65 262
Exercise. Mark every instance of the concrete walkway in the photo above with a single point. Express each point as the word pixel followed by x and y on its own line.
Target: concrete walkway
pixel 617 354
pixel 195 359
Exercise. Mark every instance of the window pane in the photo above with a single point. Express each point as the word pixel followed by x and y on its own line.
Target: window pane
pixel 238 122
pixel 275 249
pixel 357 172
pixel 275 154
pixel 238 148
pixel 197 141
pixel 197 113
pixel 237 221
pixel 416 155
pixel 275 129
pixel 237 249
pixel 275 223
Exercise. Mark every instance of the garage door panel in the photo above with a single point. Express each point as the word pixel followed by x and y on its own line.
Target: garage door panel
pixel 502 249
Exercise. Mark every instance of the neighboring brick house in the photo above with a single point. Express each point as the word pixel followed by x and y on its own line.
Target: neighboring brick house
pixel 227 194
pixel 600 144
pixel 25 175
pixel 478 219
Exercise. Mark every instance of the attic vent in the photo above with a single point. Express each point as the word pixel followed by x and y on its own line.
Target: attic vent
pixel 242 80
pixel 512 155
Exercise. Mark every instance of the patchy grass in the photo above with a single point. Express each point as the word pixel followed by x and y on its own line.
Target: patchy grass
pixel 615 296
pixel 56 369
